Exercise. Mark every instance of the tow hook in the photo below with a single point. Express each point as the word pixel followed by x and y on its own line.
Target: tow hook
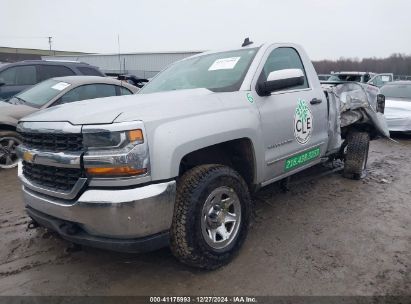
pixel 32 225
pixel 69 229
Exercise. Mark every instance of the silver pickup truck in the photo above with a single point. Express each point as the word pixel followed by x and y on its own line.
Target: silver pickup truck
pixel 175 164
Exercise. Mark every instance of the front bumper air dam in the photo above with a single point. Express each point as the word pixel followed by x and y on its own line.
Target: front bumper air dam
pixel 107 218
pixel 71 232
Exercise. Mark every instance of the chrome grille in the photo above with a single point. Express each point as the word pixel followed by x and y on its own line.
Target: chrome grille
pixel 53 178
pixel 55 142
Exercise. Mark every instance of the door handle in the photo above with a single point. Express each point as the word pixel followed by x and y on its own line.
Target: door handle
pixel 316 101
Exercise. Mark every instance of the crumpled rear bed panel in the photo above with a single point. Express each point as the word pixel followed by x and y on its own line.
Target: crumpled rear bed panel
pixel 351 103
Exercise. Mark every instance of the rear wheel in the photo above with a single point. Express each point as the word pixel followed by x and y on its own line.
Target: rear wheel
pixel 9 140
pixel 356 157
pixel 211 216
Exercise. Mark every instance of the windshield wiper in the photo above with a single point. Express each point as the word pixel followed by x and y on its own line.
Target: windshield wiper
pixel 20 99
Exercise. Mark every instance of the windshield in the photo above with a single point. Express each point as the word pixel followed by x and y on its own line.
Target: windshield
pixel 43 92
pixel 218 72
pixel 397 91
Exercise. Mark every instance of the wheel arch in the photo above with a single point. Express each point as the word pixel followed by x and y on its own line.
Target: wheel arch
pixel 236 153
pixel 359 127
pixel 170 141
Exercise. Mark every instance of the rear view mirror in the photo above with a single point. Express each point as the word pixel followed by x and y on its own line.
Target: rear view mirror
pixel 281 79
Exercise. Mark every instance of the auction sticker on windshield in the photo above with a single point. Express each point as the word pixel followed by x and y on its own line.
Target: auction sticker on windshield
pixel 224 64
pixel 303 122
pixel 60 86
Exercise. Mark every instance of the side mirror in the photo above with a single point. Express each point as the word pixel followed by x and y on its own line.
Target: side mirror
pixel 380 103
pixel 2 82
pixel 281 79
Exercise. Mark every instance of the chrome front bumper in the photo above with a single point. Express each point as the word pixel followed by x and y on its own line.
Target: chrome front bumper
pixel 112 213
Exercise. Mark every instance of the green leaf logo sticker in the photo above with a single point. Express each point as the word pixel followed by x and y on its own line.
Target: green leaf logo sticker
pixel 303 122
pixel 250 97
pixel 302 110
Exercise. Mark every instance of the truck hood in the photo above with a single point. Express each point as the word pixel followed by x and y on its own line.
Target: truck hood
pixel 14 111
pixel 145 107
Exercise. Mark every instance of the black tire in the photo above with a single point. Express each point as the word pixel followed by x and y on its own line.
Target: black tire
pixel 356 158
pixel 187 241
pixel 8 152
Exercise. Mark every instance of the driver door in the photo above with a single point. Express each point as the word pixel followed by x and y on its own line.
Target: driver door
pixel 294 119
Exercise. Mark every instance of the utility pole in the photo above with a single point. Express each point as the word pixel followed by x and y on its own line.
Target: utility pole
pixel 119 54
pixel 49 37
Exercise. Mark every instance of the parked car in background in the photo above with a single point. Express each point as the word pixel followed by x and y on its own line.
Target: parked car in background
pixel 51 92
pixel 364 77
pixel 398 105
pixel 324 77
pixel 381 79
pixel 134 80
pixel 18 76
pixel 351 76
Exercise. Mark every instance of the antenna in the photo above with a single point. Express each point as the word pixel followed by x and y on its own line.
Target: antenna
pixel 119 58
pixel 247 42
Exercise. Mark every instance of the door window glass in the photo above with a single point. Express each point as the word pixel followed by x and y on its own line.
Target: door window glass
pixel 124 91
pixel 50 71
pixel 380 80
pixel 19 75
pixel 377 81
pixel 89 71
pixel 281 59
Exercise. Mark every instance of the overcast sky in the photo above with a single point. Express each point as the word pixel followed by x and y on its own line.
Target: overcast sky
pixel 326 28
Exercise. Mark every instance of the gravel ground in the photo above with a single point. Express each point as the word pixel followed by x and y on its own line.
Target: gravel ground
pixel 326 236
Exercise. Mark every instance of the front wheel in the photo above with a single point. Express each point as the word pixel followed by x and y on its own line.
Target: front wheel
pixel 356 157
pixel 9 140
pixel 211 216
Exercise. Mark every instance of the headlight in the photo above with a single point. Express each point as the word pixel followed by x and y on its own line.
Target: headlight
pixel 115 150
pixel 112 140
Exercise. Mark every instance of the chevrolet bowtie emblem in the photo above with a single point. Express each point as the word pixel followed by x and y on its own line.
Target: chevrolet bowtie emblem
pixel 28 157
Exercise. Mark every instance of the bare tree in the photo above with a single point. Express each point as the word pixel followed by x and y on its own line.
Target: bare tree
pixel 399 64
